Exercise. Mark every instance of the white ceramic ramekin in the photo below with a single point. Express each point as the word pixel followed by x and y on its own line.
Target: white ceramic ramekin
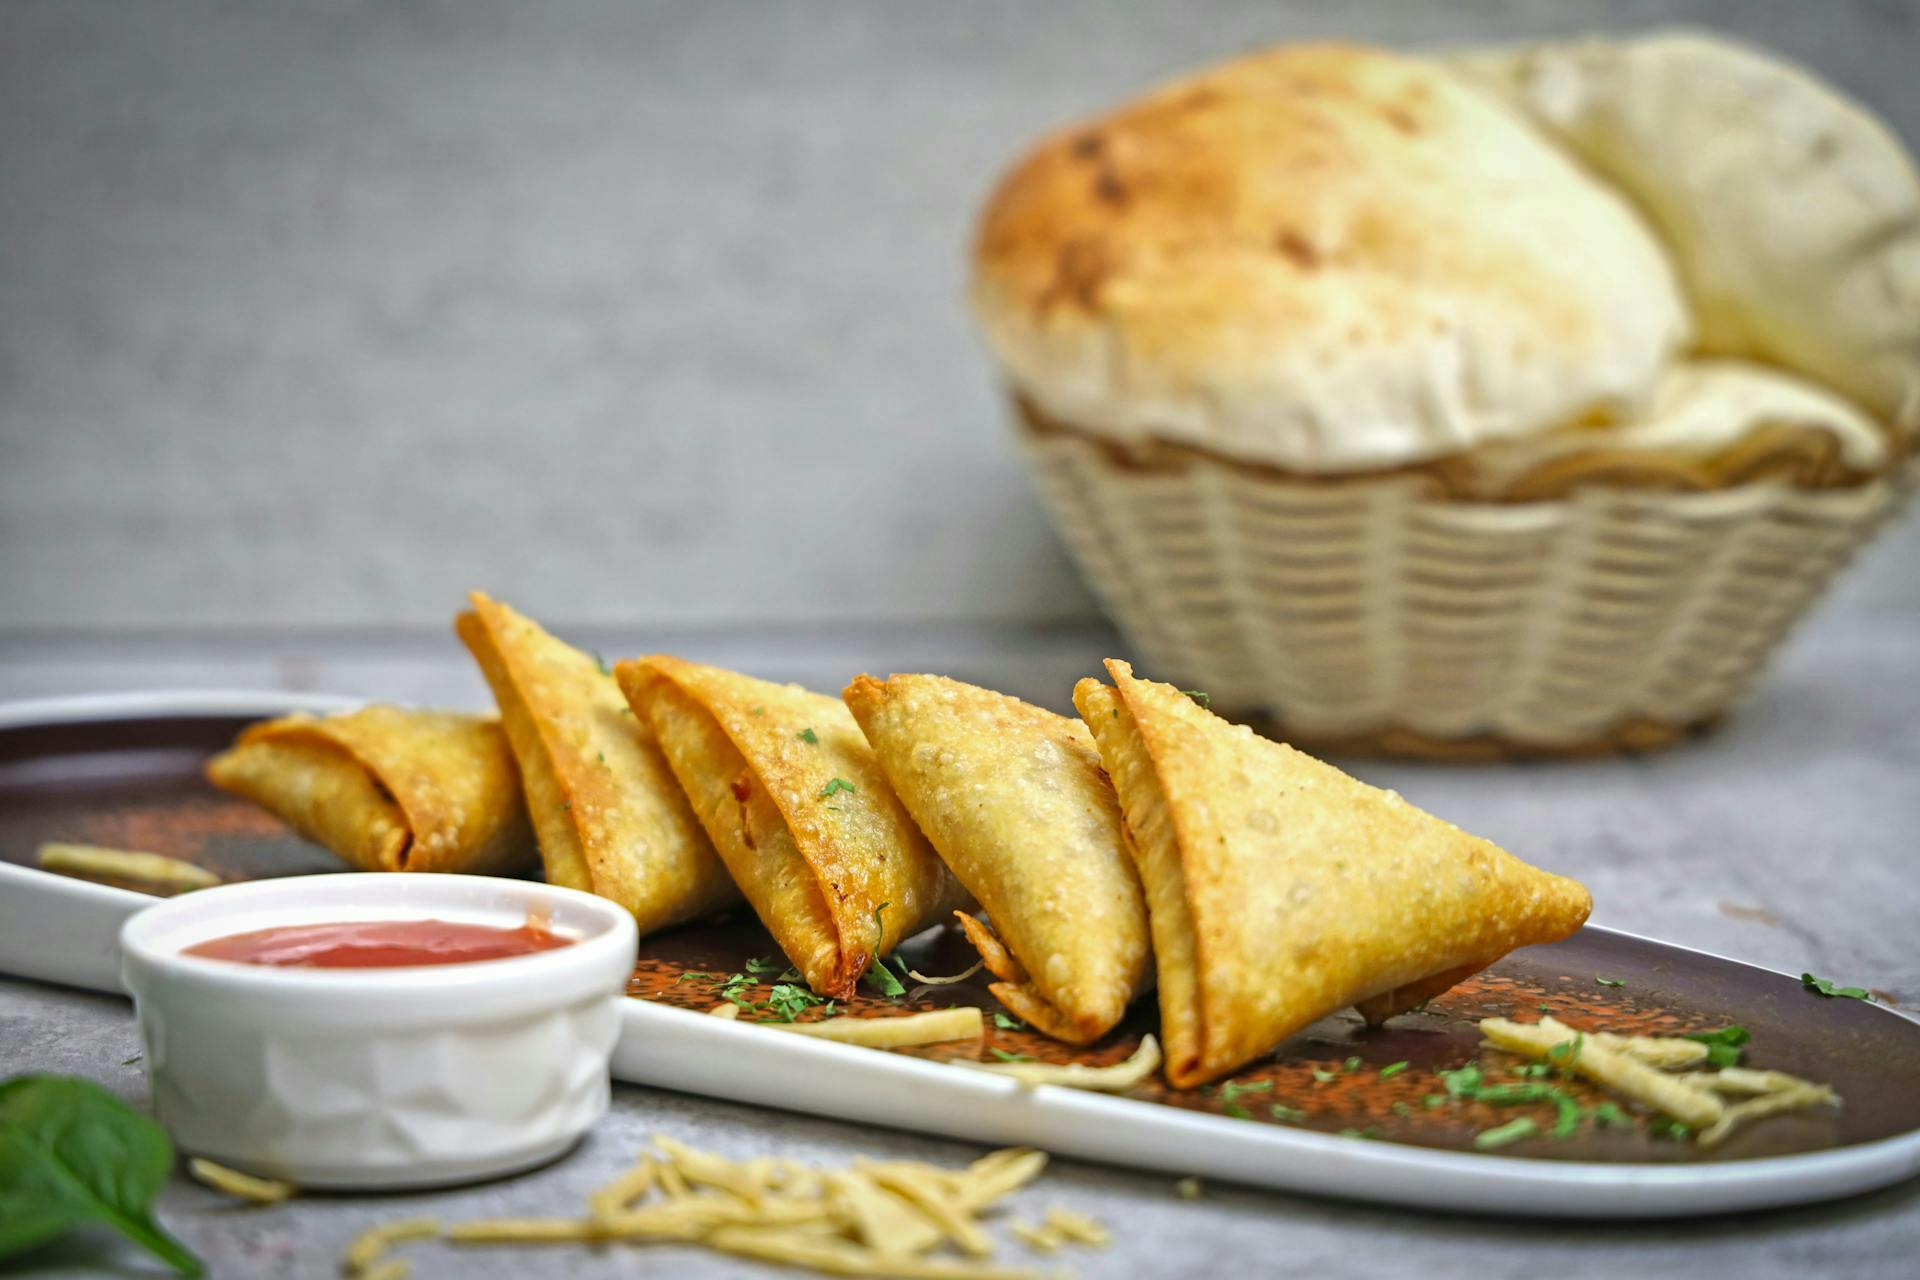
pixel 358 1078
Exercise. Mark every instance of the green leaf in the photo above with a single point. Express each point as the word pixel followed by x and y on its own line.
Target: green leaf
pixel 835 786
pixel 1611 982
pixel 1322 1077
pixel 1352 1064
pixel 1368 1133
pixel 70 1154
pixel 1502 1135
pixel 1200 697
pixel 1281 1111
pixel 1607 1115
pixel 1236 1111
pixel 601 663
pixel 1393 1069
pixel 1826 988
pixel 812 739
pixel 1402 1108
pixel 1007 1022
pixel 1005 1056
pixel 1434 1101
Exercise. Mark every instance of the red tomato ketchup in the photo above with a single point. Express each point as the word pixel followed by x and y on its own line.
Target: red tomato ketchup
pixel 378 944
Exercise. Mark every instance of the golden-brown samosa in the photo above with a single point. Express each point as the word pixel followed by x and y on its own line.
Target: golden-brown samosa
pixel 610 817
pixel 1016 803
pixel 801 812
pixel 1279 889
pixel 388 788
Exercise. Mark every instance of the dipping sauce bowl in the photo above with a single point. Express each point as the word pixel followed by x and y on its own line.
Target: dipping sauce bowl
pixel 351 1078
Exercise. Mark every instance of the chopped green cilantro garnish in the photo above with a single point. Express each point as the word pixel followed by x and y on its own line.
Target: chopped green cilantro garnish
pixel 1567 1117
pixel 1723 1046
pixel 1393 1069
pixel 1668 1129
pixel 761 964
pixel 1500 1135
pixel 1464 1082
pixel 1611 982
pixel 1401 1108
pixel 811 738
pixel 788 1002
pixel 1826 988
pixel 601 663
pixel 1322 1077
pixel 1200 697
pixel 1567 1052
pixel 1237 1112
pixel 835 785
pixel 697 975
pixel 1007 1022
pixel 881 979
pixel 601 756
pixel 1232 1090
pixel 1434 1101
pixel 1514 1095
pixel 1352 1064
pixel 759 711
pixel 1281 1111
pixel 1532 1070
pixel 1368 1132
pixel 1544 1008
pixel 1609 1114
pixel 1004 1056
pixel 566 806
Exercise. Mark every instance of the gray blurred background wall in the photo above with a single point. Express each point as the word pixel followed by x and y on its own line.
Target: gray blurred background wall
pixel 317 315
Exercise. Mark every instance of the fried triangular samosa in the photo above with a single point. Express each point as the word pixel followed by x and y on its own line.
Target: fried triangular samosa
pixel 610 817
pixel 1016 803
pixel 388 788
pixel 1279 889
pixel 798 807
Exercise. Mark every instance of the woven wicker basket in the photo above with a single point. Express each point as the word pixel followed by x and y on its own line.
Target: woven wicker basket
pixel 1620 606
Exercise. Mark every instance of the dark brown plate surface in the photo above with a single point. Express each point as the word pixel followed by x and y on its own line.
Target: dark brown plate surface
pixel 136 784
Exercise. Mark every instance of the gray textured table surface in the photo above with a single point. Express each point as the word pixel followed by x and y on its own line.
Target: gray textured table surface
pixel 1787 839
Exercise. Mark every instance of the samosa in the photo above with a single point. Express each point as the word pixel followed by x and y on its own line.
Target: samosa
pixel 1279 889
pixel 610 817
pixel 1017 805
pixel 801 812
pixel 388 788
